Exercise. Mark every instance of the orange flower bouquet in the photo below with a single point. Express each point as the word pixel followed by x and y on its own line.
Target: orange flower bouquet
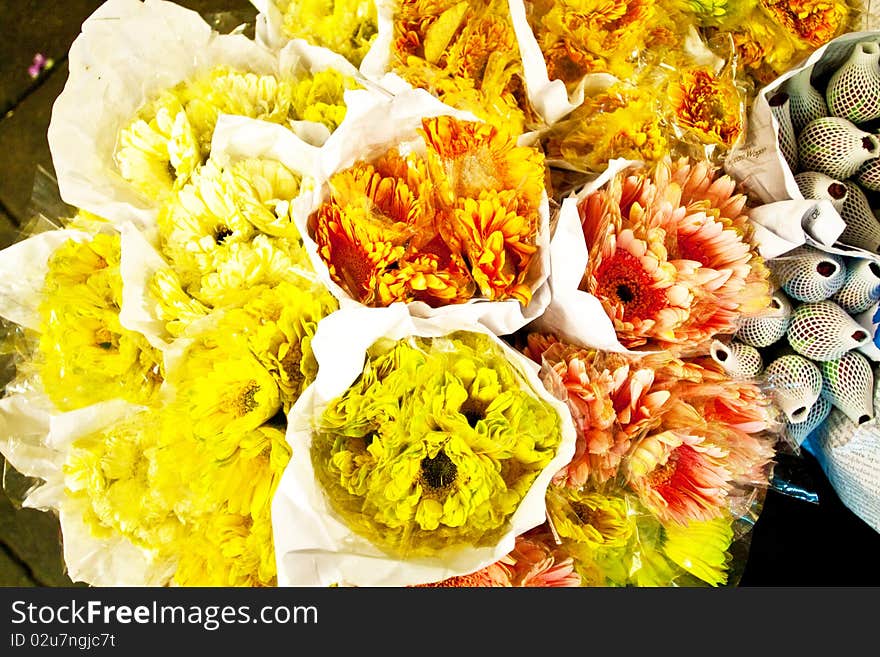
pixel 446 213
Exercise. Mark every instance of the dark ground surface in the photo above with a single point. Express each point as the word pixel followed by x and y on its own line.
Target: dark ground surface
pixel 794 543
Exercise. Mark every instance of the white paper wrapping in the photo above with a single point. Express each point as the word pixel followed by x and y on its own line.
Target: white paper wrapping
pixel 378 123
pixel 36 438
pixel 127 52
pixel 313 547
pixel 23 268
pixel 574 315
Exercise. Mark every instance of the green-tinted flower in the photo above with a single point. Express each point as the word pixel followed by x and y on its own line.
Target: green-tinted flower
pixel 435 445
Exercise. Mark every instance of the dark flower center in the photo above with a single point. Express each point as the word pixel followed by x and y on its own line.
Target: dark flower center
pixel 221 233
pixel 438 472
pixel 623 281
pixel 473 411
pixel 584 513
pixel 247 399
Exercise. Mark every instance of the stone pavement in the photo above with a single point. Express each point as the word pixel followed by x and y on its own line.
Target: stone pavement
pixel 30 548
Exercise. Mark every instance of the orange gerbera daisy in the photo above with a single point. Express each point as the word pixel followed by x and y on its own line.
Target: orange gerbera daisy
pixel 670 259
pixel 679 476
pixel 357 249
pixel 688 439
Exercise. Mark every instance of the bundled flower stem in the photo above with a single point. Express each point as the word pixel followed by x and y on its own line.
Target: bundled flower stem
pixel 451 218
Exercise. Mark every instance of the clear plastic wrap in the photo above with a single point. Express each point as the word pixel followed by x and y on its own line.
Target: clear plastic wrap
pixel 671 463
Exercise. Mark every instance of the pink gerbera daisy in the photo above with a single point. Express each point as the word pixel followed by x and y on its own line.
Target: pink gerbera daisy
pixel 670 257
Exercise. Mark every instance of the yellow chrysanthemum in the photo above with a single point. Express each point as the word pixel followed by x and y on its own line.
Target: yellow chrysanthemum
pixel 772 35
pixel 226 233
pixel 114 473
pixel 159 150
pixel 588 36
pixel 498 242
pixel 589 517
pixel 289 316
pixel 707 105
pixel 223 394
pixel 467 157
pixel 170 137
pixel 85 355
pixel 701 548
pixel 434 446
pixel 225 206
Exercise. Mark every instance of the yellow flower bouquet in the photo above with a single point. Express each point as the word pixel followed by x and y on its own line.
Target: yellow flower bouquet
pixel 148 83
pixel 427 448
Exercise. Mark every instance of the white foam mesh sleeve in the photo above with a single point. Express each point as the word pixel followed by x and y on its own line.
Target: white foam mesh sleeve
pixel 824 331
